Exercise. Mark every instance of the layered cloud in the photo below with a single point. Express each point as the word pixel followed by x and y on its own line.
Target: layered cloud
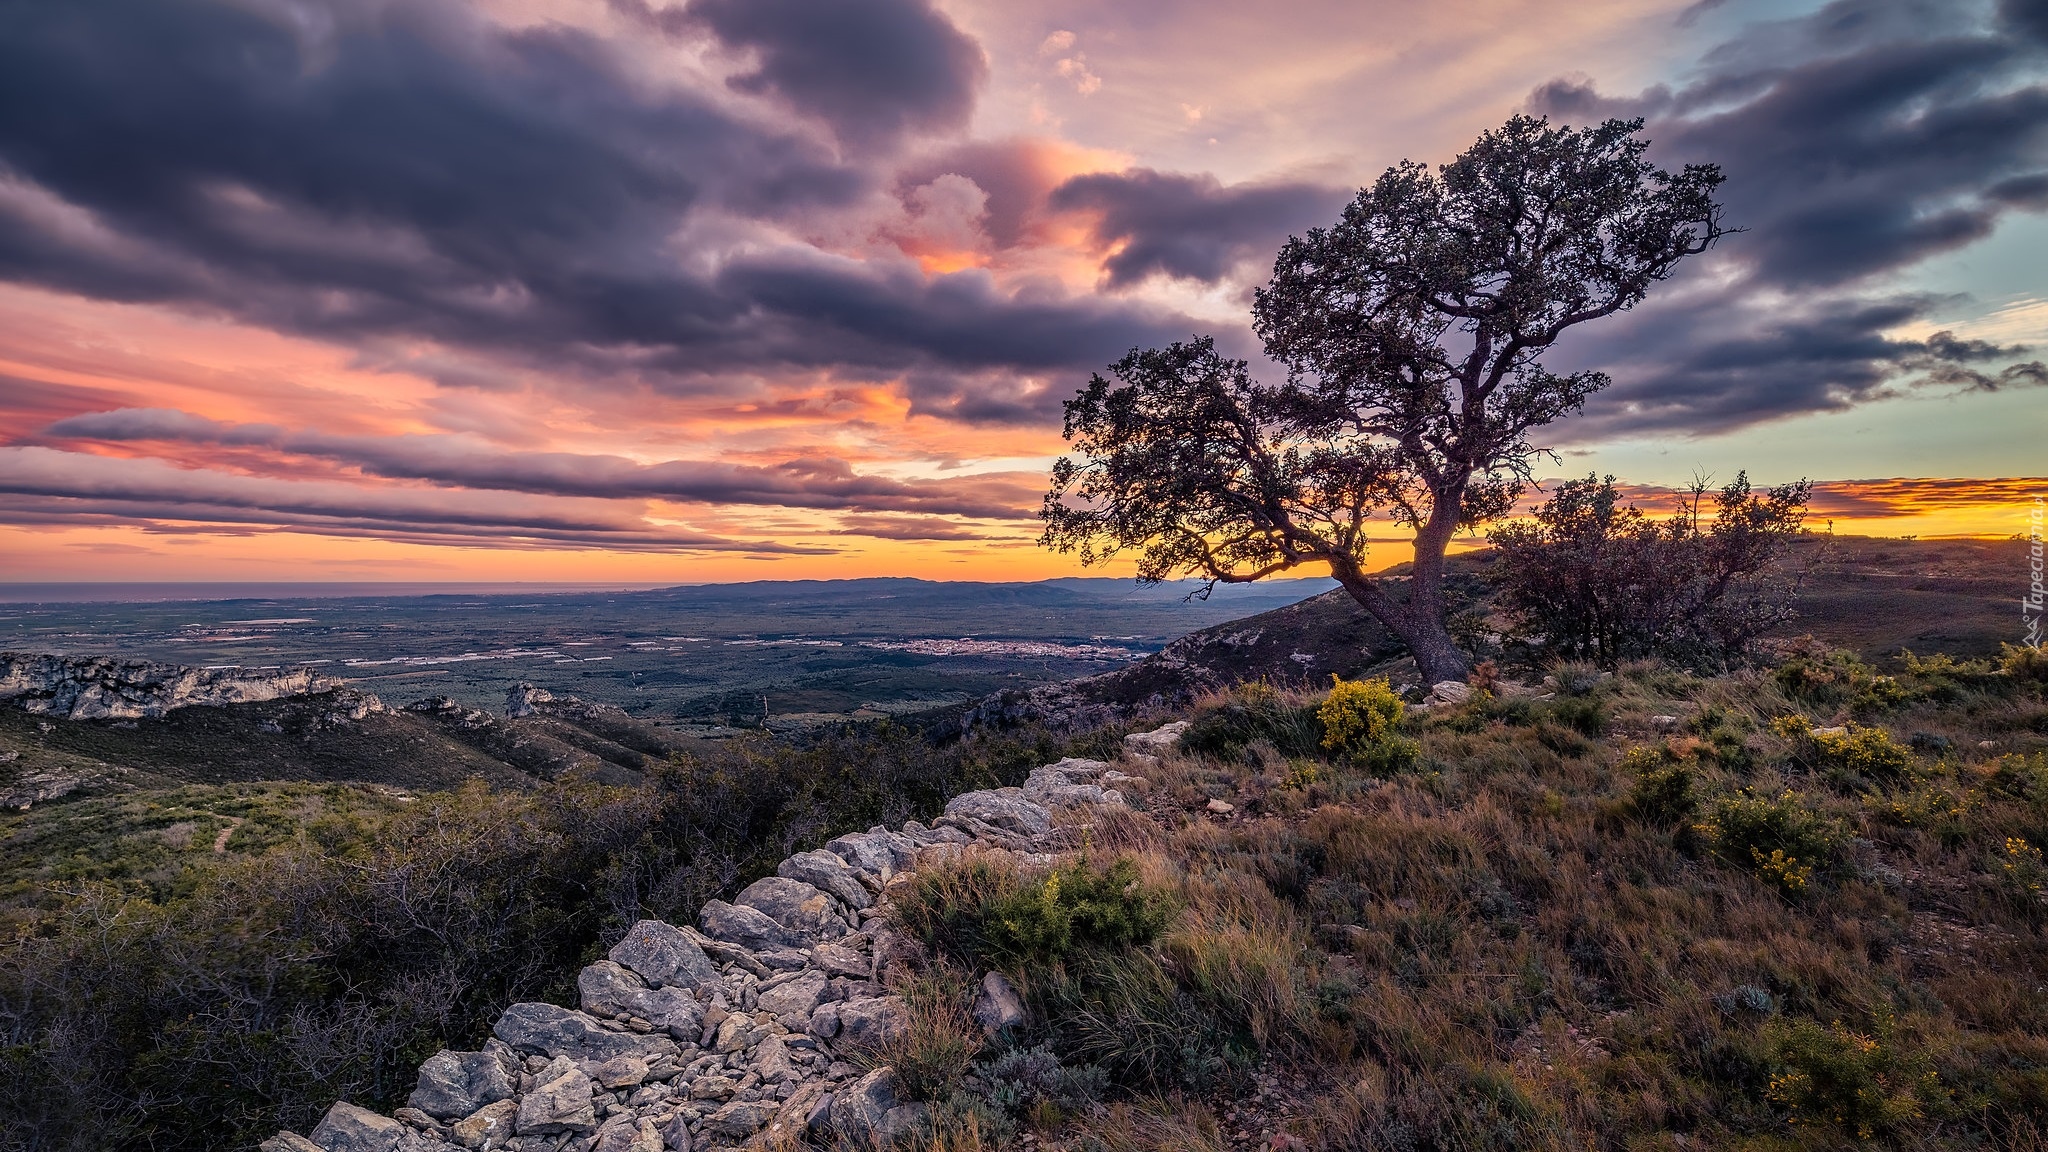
pixel 796 277
pixel 1858 142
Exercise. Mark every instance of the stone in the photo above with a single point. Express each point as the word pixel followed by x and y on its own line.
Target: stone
pixel 997 1006
pixel 553 1031
pixel 347 1128
pixel 1663 721
pixel 825 1022
pixel 1448 692
pixel 734 1033
pixel 561 1101
pixel 1002 808
pixel 839 960
pixel 801 908
pixel 625 1133
pixel 872 1021
pixel 1158 741
pixel 621 1072
pixel 798 997
pixel 868 856
pixel 859 1108
pixel 609 989
pixel 745 926
pixel 740 1119
pixel 487 1127
pixel 772 1062
pixel 454 1084
pixel 1221 807
pixel 287 1142
pixel 664 956
pixel 675 1135
pixel 899 1122
pixel 808 1110
pixel 826 871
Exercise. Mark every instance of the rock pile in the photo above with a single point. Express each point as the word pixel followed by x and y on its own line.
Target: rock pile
pixel 749 1028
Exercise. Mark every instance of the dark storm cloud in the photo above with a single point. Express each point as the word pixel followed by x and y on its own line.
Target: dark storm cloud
pixel 1190 226
pixel 872 69
pixel 455 461
pixel 1857 143
pixel 355 171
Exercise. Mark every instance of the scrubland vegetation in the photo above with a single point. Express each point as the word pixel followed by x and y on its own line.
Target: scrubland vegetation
pixel 1798 905
pixel 1790 908
pixel 157 994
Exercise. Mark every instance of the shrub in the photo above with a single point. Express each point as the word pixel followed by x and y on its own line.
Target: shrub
pixel 1599 580
pixel 2023 869
pixel 1858 755
pixel 1031 1080
pixel 1358 714
pixel 2022 778
pixel 1867 1085
pixel 933 1051
pixel 2023 661
pixel 985 912
pixel 1125 1013
pixel 1662 791
pixel 1226 725
pixel 1935 807
pixel 1575 677
pixel 1782 838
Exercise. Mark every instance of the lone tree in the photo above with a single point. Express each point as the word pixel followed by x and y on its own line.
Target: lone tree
pixel 1412 332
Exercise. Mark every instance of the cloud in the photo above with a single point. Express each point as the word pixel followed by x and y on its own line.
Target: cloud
pixel 816 482
pixel 1858 142
pixel 908 528
pixel 872 69
pixel 387 175
pixel 74 488
pixel 1189 226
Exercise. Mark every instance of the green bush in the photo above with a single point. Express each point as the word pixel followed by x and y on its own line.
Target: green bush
pixel 987 914
pixel 1226 726
pixel 1783 838
pixel 1358 714
pixel 1865 1085
pixel 1858 754
pixel 1662 786
pixel 2022 778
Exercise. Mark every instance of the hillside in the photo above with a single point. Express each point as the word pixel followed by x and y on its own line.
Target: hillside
pixel 1789 907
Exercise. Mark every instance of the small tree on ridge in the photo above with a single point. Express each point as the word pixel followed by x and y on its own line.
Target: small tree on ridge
pixel 1412 333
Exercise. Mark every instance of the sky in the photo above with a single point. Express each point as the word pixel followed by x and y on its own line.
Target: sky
pixel 768 289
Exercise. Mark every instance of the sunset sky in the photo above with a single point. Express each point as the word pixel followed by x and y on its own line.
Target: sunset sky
pixel 756 289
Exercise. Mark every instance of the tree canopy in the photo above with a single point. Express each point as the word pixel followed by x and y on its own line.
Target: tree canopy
pixel 1411 333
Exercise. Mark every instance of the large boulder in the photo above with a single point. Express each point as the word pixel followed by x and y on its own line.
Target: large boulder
pixel 546 1030
pixel 797 906
pixel 347 1128
pixel 608 989
pixel 1158 741
pixel 747 927
pixel 1006 809
pixel 664 956
pixel 562 1100
pixel 826 871
pixel 839 960
pixel 454 1084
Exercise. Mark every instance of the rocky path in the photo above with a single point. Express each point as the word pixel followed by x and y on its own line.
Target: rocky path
pixel 743 1029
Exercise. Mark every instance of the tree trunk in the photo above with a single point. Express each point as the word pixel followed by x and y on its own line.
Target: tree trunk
pixel 1419 621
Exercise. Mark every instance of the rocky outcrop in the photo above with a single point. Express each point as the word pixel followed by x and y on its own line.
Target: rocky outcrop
pixel 107 688
pixel 759 1026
